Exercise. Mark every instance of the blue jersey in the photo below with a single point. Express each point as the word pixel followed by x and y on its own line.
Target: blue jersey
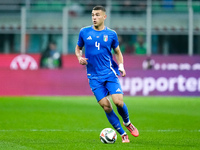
pixel 98 46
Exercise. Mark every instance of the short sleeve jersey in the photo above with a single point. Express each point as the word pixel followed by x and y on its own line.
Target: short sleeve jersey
pixel 98 46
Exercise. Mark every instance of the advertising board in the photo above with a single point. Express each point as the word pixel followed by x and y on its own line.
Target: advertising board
pixel 167 76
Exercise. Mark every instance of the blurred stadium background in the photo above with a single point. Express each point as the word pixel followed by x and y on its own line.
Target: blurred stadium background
pixel 160 40
pixel 50 105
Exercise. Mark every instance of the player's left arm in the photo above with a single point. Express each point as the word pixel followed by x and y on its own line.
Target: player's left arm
pixel 120 60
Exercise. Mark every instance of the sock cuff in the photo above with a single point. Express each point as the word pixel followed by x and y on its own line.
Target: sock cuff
pixel 123 134
pixel 126 124
pixel 110 112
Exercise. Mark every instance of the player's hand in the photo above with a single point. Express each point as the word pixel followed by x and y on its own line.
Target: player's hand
pixel 123 73
pixel 83 61
pixel 122 70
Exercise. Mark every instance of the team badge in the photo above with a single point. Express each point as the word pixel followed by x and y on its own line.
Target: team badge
pixel 105 38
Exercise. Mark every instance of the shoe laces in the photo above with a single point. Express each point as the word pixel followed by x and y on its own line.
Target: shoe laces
pixel 125 137
pixel 131 127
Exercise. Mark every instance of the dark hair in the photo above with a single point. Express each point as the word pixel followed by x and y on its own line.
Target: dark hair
pixel 99 8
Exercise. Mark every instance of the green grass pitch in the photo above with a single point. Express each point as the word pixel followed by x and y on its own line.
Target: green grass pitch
pixel 74 123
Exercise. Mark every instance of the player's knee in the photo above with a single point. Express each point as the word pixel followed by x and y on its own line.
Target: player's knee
pixel 118 100
pixel 107 109
pixel 119 103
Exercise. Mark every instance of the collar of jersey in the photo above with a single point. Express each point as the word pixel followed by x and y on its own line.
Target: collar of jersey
pixel 98 30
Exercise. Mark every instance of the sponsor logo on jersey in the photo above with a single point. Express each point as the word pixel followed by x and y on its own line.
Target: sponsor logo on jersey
pixel 89 38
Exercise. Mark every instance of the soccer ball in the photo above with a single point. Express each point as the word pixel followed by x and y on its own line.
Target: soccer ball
pixel 108 135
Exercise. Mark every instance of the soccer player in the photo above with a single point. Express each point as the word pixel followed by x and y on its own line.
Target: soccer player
pixel 102 70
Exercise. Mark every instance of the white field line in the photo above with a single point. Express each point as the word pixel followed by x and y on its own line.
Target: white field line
pixel 60 130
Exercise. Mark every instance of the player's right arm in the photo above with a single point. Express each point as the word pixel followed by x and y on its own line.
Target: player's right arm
pixel 78 52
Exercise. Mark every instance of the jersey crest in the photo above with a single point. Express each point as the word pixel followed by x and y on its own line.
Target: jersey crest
pixel 105 38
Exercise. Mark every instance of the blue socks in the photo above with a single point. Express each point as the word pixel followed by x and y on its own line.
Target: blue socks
pixel 123 111
pixel 114 121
